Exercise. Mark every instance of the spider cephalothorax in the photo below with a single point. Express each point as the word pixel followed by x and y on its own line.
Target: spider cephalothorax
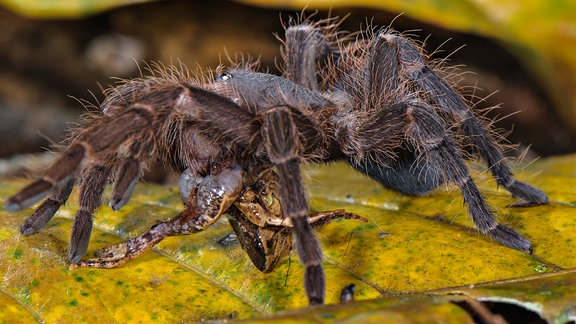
pixel 239 139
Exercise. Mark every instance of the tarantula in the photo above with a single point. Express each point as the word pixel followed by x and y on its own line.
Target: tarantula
pixel 370 99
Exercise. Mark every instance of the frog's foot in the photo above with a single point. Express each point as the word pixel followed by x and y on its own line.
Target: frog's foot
pixel 322 218
pixel 114 256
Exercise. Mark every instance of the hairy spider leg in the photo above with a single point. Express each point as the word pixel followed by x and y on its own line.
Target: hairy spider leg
pixel 55 178
pixel 220 117
pixel 94 181
pixel 128 176
pixel 44 213
pixel 110 142
pixel 303 45
pixel 385 155
pixel 400 168
pixel 104 141
pixel 280 133
pixel 209 198
pixel 440 93
pixel 427 134
pixel 427 138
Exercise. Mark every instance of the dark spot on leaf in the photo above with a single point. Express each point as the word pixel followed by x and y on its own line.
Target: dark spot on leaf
pixel 17 254
pixel 383 234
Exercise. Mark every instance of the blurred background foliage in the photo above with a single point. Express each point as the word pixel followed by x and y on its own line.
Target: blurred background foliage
pixel 522 55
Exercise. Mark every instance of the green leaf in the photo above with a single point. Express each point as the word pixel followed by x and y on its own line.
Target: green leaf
pixel 411 252
pixel 65 8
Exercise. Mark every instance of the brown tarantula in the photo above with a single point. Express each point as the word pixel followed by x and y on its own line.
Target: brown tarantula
pixel 238 140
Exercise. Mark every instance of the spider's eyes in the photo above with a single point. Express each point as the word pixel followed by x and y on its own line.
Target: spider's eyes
pixel 224 76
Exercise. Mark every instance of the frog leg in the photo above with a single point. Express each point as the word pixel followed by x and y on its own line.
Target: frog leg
pixel 209 198
pixel 318 219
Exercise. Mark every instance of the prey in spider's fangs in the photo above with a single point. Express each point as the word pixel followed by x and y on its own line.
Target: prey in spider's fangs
pixel 370 98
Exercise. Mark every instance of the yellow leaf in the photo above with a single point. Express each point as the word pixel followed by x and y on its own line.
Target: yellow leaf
pixel 410 245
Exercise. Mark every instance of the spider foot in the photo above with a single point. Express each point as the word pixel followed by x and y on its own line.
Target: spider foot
pixel 529 195
pixel 525 203
pixel 40 217
pixel 315 284
pixel 81 231
pixel 510 238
